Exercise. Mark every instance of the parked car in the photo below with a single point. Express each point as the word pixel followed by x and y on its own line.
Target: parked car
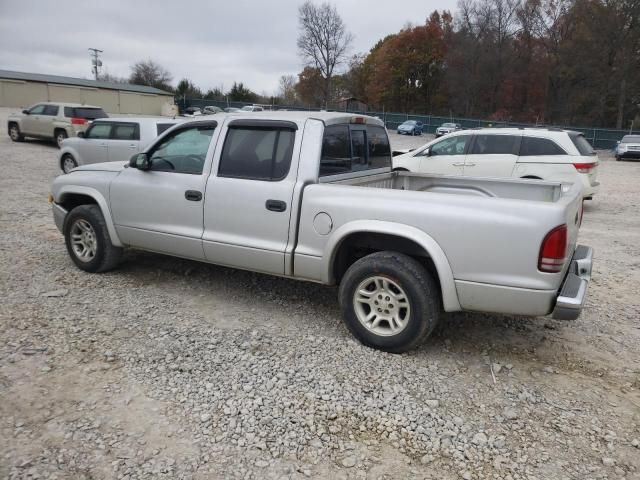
pixel 628 147
pixel 532 153
pixel 231 109
pixel 115 139
pixel 211 110
pixel 192 111
pixel 311 196
pixel 410 127
pixel 447 128
pixel 252 108
pixel 52 121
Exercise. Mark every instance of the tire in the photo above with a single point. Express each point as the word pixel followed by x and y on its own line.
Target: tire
pixel 59 136
pixel 87 222
pixel 14 133
pixel 416 317
pixel 67 163
pixel 618 158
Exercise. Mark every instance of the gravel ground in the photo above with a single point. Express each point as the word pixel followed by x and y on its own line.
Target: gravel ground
pixel 167 368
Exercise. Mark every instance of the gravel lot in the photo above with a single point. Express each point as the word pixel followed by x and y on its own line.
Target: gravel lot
pixel 172 369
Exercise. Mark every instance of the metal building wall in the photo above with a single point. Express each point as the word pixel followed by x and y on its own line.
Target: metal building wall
pixel 23 94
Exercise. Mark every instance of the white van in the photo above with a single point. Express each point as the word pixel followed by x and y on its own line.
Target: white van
pixel 537 153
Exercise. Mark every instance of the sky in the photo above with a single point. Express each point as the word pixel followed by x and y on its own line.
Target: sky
pixel 213 43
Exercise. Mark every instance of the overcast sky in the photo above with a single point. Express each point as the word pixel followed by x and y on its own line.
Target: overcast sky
pixel 210 42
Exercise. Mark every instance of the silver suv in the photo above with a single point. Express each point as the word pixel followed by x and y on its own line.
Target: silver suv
pixel 628 147
pixel 52 121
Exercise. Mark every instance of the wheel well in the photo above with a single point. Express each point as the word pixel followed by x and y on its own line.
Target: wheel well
pixel 358 245
pixel 59 129
pixel 73 200
pixel 532 177
pixel 10 124
pixel 400 169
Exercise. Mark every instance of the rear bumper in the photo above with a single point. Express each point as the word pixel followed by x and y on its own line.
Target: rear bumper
pixel 59 215
pixel 573 292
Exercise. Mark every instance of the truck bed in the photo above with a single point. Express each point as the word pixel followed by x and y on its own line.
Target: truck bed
pixel 515 189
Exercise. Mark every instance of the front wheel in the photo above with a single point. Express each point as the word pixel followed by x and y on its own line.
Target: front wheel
pixel 14 133
pixel 68 163
pixel 88 241
pixel 389 301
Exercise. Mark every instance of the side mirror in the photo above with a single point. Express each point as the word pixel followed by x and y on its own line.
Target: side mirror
pixel 26 112
pixel 618 142
pixel 140 161
pixel 80 134
pixel 427 152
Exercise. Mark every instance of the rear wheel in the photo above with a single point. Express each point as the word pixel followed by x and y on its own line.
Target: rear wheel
pixel 68 163
pixel 88 241
pixel 14 133
pixel 60 135
pixel 389 301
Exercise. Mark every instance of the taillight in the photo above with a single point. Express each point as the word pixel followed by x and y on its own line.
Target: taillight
pixel 78 121
pixel 553 252
pixel 585 167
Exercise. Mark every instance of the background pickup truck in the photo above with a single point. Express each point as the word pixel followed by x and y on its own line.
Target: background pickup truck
pixel 311 195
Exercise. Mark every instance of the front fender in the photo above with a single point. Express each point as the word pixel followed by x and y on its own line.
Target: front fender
pixel 100 200
pixel 445 274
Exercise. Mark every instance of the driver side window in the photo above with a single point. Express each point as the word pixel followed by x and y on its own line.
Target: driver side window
pixel 37 110
pixel 450 146
pixel 183 152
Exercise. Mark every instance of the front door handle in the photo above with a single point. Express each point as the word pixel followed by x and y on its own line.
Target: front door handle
pixel 458 164
pixel 469 164
pixel 193 195
pixel 276 205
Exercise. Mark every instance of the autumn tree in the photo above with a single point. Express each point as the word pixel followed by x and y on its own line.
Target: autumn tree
pixel 152 74
pixel 309 88
pixel 323 41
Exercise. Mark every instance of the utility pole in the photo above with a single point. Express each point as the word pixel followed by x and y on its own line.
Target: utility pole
pixel 96 63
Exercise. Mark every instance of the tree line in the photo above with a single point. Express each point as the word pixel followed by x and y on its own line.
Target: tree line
pixel 567 62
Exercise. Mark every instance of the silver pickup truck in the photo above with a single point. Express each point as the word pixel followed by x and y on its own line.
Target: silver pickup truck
pixel 311 196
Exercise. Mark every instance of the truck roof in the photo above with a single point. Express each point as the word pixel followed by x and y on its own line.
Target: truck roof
pixel 328 118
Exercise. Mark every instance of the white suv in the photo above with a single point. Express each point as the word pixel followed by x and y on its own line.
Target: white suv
pixel 536 153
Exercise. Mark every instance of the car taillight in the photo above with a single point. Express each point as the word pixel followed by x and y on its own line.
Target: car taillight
pixel 585 167
pixel 78 121
pixel 553 251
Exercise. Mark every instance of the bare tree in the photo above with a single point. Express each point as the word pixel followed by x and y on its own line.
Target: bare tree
pixel 323 42
pixel 150 73
pixel 287 89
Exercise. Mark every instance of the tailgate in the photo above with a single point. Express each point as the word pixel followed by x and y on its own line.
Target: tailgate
pixel 572 199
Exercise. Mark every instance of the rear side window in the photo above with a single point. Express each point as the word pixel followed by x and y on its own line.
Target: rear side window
pixel 125 131
pixel 539 146
pixel 495 144
pixel 162 127
pixel 51 110
pixel 582 144
pixel 257 153
pixel 82 112
pixel 346 150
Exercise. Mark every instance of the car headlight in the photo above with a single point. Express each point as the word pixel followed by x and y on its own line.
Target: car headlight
pixel 622 147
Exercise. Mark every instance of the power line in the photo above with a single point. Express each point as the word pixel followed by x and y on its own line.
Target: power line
pixel 96 63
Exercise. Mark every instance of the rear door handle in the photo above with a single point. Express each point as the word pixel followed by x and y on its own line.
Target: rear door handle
pixel 132 146
pixel 276 205
pixel 193 195
pixel 469 164
pixel 102 145
pixel 459 164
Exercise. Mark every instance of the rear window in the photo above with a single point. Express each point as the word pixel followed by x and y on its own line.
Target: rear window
pixel 346 150
pixel 495 144
pixel 539 146
pixel 162 127
pixel 125 131
pixel 582 144
pixel 82 112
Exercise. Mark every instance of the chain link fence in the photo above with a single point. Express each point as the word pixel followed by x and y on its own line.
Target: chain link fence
pixel 600 138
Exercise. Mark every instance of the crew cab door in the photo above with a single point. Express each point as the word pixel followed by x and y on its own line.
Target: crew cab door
pixel 124 141
pixel 248 199
pixel 445 157
pixel 160 209
pixel 492 155
pixel 31 124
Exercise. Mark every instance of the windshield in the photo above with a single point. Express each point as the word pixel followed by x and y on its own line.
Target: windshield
pixel 409 122
pixel 630 139
pixel 247 108
pixel 449 125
